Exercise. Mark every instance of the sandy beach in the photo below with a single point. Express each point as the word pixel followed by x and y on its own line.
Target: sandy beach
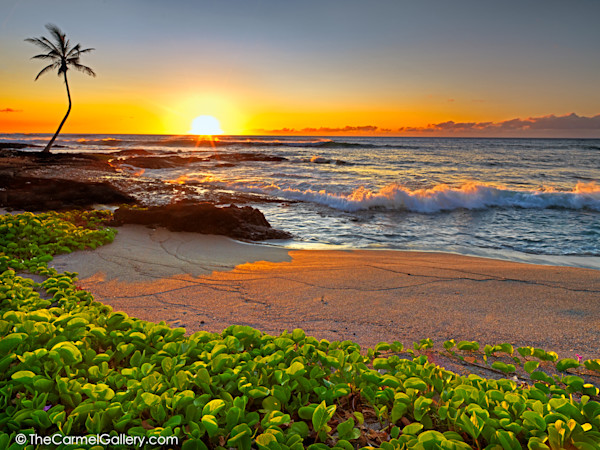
pixel 204 282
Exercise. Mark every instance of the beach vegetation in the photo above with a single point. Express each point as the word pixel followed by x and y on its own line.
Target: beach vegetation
pixel 62 56
pixel 72 365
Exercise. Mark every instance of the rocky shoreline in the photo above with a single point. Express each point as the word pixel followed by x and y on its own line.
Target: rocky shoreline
pixel 33 181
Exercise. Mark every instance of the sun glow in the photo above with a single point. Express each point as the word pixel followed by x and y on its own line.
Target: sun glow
pixel 205 126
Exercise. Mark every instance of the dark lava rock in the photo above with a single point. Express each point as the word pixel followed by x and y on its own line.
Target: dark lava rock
pixel 236 157
pixel 161 162
pixel 41 194
pixel 16 145
pixel 205 218
pixel 131 152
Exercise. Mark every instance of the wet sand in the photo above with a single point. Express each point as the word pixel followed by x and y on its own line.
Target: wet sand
pixel 210 282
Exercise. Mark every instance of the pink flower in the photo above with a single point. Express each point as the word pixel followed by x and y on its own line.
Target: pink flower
pixel 579 357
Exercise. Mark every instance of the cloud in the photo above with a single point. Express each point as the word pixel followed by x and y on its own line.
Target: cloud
pixel 10 110
pixel 550 125
pixel 325 130
pixel 544 123
pixel 346 129
pixel 570 122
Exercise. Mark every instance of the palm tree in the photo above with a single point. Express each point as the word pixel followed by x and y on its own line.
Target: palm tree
pixel 62 56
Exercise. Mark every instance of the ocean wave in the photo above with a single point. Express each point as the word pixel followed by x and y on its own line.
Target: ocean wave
pixel 337 144
pixel 322 160
pixel 110 142
pixel 253 142
pixel 442 197
pixel 237 157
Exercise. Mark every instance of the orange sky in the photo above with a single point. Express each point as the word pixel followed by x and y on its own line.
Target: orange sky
pixel 397 68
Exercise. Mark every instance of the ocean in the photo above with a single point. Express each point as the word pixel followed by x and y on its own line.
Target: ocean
pixel 530 200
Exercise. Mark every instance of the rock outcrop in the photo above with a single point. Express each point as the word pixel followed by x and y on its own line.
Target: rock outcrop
pixel 206 218
pixel 42 194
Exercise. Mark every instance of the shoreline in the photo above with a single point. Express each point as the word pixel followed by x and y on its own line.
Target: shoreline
pixel 204 282
pixel 576 261
pixel 90 168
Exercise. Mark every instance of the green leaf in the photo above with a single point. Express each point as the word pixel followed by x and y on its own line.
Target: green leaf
pixel 271 403
pixel 525 351
pixel 265 439
pixel 344 444
pixel 239 435
pixel 534 420
pixel 9 342
pixel 567 363
pixel 382 347
pixel 530 366
pixel 296 369
pixel 150 399
pixel 574 383
pixel 23 376
pixel 413 428
pixel 213 407
pixel 468 345
pixel 449 344
pixel 508 440
pixel 398 411
pixel 299 428
pixel 298 335
pixel 592 364
pixel 194 444
pixel 319 417
pixel 536 443
pixel 415 383
pixel 211 424
pixel 421 407
pixel 344 429
pixel 359 416
pixel 306 412
pixel 506 368
pixel 539 375
pixel 258 392
pixel 68 352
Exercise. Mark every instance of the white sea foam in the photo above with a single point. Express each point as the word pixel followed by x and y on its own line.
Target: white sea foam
pixel 439 198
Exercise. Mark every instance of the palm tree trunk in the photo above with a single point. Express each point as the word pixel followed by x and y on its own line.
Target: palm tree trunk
pixel 49 146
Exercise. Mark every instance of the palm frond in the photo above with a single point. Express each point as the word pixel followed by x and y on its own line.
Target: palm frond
pixel 85 69
pixel 58 35
pixel 45 69
pixel 60 51
pixel 43 56
pixel 40 43
pixel 74 51
pixel 51 44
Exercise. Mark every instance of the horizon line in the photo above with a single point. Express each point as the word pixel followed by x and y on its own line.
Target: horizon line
pixel 396 136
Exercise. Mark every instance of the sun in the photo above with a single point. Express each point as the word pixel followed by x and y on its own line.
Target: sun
pixel 206 126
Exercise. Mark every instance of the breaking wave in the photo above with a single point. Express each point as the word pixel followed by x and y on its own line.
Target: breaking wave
pixel 442 197
pixel 111 142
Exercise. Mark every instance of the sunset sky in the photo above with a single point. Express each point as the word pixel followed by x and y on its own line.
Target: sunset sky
pixel 398 67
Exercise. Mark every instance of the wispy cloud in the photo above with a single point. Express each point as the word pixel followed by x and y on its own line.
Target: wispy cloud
pixel 10 110
pixel 326 130
pixel 545 123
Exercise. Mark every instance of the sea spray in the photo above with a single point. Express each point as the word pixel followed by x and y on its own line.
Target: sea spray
pixel 438 198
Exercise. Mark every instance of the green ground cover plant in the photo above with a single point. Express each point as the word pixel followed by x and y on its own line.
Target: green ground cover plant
pixel 72 365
